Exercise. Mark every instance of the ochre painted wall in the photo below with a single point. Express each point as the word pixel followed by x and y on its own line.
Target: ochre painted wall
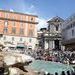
pixel 18 19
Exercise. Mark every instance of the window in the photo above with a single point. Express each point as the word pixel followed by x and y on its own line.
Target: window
pixel 57 20
pixel 72 32
pixel 20 39
pixel 6 15
pixel 5 29
pixel 6 23
pixel 30 40
pixel 31 33
pixel 21 31
pixel 31 19
pixel 57 27
pixel 13 17
pixel 5 26
pixel 71 25
pixel 21 17
pixel 14 30
pixel 4 38
pixel 49 27
pixel 0 15
pixel 21 25
pixel 12 38
pixel 13 23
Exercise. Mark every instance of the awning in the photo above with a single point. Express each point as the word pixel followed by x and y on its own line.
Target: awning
pixel 20 45
pixel 29 46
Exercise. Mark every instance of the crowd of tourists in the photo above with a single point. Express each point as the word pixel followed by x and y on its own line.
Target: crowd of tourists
pixel 66 57
pixel 56 56
pixel 51 55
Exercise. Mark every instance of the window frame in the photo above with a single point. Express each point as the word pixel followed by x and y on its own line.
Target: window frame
pixel 21 31
pixel 72 32
pixel 13 30
pixel 57 28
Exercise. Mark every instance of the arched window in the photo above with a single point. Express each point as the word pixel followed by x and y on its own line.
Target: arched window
pixel 57 28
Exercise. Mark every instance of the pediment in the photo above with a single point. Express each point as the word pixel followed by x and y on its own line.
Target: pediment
pixel 56 19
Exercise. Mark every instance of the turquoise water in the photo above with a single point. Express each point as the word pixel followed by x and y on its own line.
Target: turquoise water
pixel 51 67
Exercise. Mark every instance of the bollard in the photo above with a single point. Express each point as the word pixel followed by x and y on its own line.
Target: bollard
pixel 63 73
pixel 48 74
pixel 68 73
pixel 56 73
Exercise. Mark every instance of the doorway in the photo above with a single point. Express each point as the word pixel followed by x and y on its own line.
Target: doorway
pixel 56 44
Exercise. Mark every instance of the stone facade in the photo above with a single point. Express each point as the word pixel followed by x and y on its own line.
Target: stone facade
pixel 68 32
pixel 51 38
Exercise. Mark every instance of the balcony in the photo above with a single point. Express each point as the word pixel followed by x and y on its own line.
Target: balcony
pixel 55 35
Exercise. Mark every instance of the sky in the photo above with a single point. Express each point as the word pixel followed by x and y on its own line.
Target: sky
pixel 44 9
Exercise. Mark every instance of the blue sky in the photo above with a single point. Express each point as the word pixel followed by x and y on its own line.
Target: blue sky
pixel 45 9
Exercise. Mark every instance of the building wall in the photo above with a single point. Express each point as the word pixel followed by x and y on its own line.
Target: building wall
pixel 27 41
pixel 68 32
pixel 18 25
pixel 54 28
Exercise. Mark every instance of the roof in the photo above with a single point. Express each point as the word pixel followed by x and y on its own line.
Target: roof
pixel 17 12
pixel 55 19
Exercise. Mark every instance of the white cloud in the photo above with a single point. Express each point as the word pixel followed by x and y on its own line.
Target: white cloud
pixel 42 23
pixel 32 7
pixel 31 10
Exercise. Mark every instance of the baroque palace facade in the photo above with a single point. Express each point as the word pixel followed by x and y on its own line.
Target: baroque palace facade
pixel 50 37
pixel 18 28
